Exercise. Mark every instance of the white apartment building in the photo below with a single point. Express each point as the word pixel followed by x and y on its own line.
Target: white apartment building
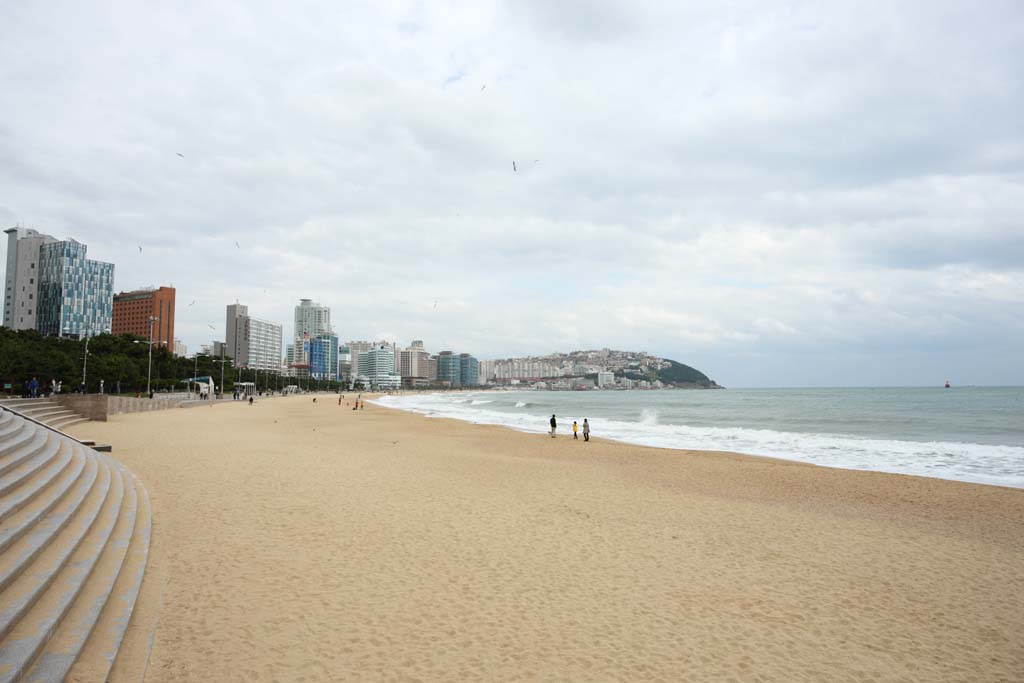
pixel 486 371
pixel 377 368
pixel 21 279
pixel 605 378
pixel 311 321
pixel 251 342
pixel 525 368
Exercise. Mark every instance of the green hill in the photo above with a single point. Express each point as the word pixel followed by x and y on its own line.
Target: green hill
pixel 677 373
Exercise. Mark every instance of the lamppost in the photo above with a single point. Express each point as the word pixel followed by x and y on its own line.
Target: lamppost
pixel 149 371
pixel 85 362
pixel 221 361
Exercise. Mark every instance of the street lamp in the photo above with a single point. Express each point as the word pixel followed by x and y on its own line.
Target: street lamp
pixel 221 361
pixel 149 371
pixel 85 362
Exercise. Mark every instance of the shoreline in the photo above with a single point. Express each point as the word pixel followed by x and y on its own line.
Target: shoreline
pixel 864 443
pixel 295 541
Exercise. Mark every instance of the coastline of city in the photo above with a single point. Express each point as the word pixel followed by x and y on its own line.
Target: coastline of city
pixel 318 534
pixel 310 539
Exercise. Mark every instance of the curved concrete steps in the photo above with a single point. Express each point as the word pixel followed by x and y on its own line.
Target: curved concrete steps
pixel 75 528
pixel 45 410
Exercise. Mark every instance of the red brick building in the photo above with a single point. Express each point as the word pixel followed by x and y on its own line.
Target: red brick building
pixel 132 311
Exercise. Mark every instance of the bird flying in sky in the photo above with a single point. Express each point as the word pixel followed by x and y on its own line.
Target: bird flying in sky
pixel 238 245
pixel 482 87
pixel 211 327
pixel 514 167
pixel 193 302
pixel 180 155
pixel 140 249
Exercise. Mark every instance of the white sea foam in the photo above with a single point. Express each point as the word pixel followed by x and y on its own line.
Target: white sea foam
pixel 521 404
pixel 987 464
pixel 478 402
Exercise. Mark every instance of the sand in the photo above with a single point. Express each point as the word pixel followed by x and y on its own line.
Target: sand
pixel 302 542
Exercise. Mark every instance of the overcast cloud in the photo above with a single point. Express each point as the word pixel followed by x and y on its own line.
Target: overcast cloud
pixel 797 193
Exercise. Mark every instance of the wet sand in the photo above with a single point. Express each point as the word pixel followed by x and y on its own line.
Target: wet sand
pixel 308 542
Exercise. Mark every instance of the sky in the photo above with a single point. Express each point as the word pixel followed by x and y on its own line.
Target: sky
pixel 776 193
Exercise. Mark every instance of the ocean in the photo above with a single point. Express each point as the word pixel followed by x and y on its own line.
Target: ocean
pixel 973 434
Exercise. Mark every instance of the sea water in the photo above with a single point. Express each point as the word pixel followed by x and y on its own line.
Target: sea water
pixel 971 434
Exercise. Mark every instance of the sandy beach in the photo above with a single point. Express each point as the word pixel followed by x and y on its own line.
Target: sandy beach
pixel 296 541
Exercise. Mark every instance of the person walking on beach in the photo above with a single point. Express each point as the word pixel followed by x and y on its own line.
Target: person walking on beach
pixel 250 400
pixel 575 430
pixel 554 426
pixel 586 430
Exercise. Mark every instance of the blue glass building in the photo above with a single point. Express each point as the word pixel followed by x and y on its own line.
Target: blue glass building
pixel 449 369
pixel 323 357
pixel 76 295
pixel 469 370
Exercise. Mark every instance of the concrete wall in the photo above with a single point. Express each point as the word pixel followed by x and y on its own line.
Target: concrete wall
pixel 99 407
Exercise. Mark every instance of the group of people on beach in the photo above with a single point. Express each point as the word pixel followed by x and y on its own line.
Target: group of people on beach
pixel 575 429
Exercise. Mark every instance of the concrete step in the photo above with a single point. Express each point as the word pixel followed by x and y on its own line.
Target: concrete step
pixel 28 531
pixel 67 422
pixel 15 402
pixel 75 529
pixel 49 416
pixel 18 434
pixel 21 449
pixel 25 638
pixel 110 638
pixel 22 592
pixel 34 485
pixel 74 630
pixel 38 453
pixel 41 409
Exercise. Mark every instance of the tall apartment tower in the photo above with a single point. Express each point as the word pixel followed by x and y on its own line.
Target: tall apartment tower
pixel 251 342
pixel 21 279
pixel 311 321
pixel 414 365
pixel 133 310
pixel 75 294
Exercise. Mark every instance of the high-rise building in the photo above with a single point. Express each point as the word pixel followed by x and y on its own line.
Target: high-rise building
pixel 21 279
pixel 469 368
pixel 133 310
pixel 345 363
pixel 75 293
pixel 377 368
pixel 251 342
pixel 323 357
pixel 414 365
pixel 180 348
pixel 449 369
pixel 311 321
pixel 486 371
